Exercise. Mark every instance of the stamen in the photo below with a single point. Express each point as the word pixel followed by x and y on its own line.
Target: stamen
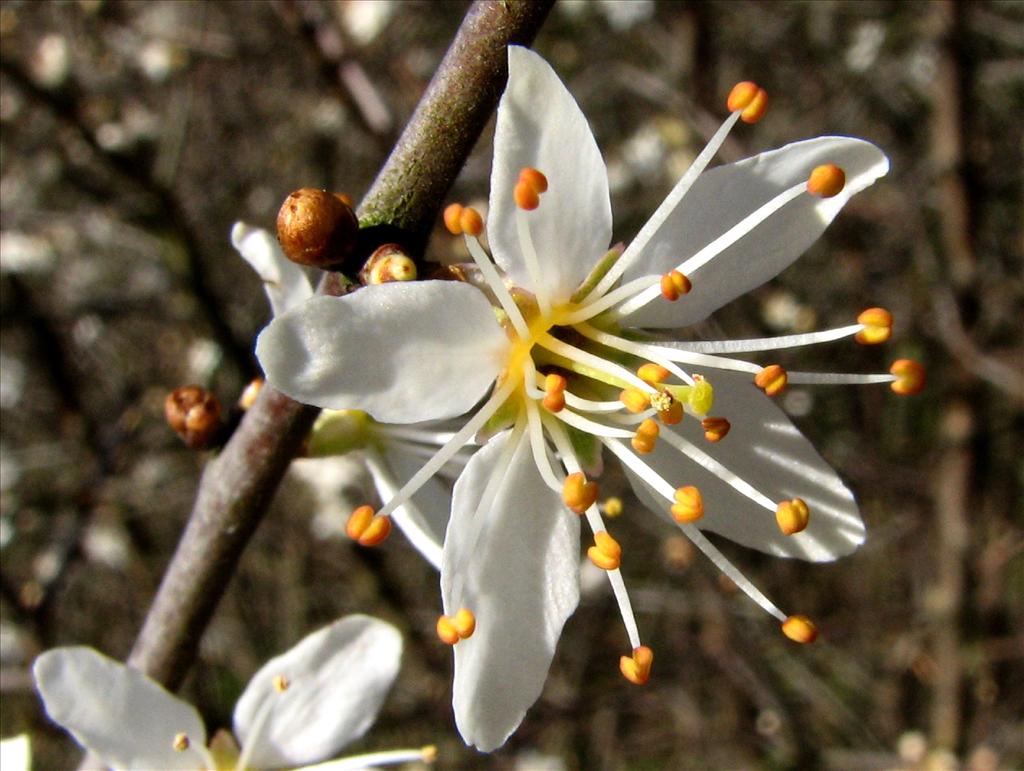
pixel 539 447
pixel 772 379
pixel 792 516
pixel 635 401
pixel 554 388
pixel 910 377
pixel 529 188
pixel 181 742
pixel 674 285
pixel 742 228
pixel 800 629
pixel 565 451
pixel 603 302
pixel 715 429
pixel 663 488
pixel 646 437
pixel 497 286
pixel 571 352
pixel 577 493
pixel 461 626
pixel 673 415
pixel 539 284
pixel 611 507
pixel 877 326
pixel 664 211
pixel 749 99
pixel 637 668
pixel 281 683
pixel 688 506
pixel 534 179
pixel 652 374
pixel 606 552
pixel 710 464
pixel 755 345
pixel 826 181
pixel 641 350
pixel 426 755
pixel 451 448
pixel 367 529
pixel 592 427
pixel 453 218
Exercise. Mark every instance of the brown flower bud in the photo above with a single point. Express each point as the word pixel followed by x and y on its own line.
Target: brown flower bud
pixel 388 263
pixel 195 415
pixel 316 228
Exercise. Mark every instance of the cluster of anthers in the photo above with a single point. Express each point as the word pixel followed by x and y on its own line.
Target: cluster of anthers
pixel 573 381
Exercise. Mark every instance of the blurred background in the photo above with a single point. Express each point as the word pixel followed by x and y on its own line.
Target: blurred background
pixel 135 133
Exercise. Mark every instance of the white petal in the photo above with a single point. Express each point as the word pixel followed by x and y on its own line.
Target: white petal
pixel 766 450
pixel 722 197
pixel 403 352
pixel 540 125
pixel 338 678
pixel 286 283
pixel 520 578
pixel 128 720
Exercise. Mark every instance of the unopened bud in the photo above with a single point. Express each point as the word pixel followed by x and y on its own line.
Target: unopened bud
pixel 388 263
pixel 317 228
pixel 194 414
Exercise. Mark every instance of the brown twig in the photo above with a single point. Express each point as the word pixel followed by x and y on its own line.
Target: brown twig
pixel 238 485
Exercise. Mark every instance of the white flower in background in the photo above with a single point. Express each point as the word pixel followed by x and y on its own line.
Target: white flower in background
pixel 392 454
pixel 547 335
pixel 300 708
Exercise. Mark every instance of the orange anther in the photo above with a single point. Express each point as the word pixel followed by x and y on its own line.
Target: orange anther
pixel 554 386
pixel 606 552
pixel 826 181
pixel 281 683
pixel 446 630
pixel 715 429
pixel 249 394
pixel 772 379
pixel 525 196
pixel 367 529
pixel 877 326
pixel 673 415
pixel 611 507
pixel 652 373
pixel 910 377
pixel 471 222
pixel 674 285
pixel 689 505
pixel 742 95
pixel 792 516
pixel 465 623
pixel 577 493
pixel 646 437
pixel 800 629
pixel 534 179
pixel 758 106
pixel 637 668
pixel 635 400
pixel 453 218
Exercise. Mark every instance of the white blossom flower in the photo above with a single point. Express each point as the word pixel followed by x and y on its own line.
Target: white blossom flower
pixel 545 336
pixel 300 708
pixel 392 454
